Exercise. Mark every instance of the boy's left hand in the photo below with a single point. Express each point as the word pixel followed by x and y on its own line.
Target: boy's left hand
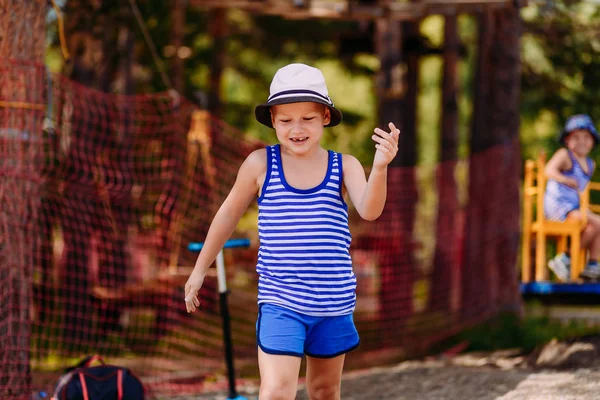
pixel 387 145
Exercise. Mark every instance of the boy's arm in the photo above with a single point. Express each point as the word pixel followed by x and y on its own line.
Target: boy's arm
pixel 243 192
pixel 368 196
pixel 559 162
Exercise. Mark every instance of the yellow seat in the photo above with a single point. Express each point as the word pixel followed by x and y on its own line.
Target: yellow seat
pixel 536 225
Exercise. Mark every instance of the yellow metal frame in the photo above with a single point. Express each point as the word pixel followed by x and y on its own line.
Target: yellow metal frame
pixel 535 225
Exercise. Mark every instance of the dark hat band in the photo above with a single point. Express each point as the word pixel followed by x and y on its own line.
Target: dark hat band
pixel 299 93
pixel 263 115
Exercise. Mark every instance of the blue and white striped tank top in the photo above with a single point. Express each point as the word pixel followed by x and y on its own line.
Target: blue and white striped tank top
pixel 304 259
pixel 560 199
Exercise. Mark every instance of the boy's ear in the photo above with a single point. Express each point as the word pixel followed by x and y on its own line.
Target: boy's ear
pixel 272 116
pixel 327 116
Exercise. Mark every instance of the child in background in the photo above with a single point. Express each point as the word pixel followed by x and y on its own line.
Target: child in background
pixel 569 171
pixel 306 289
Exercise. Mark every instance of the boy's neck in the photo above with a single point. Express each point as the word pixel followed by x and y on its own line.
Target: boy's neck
pixel 311 155
pixel 579 156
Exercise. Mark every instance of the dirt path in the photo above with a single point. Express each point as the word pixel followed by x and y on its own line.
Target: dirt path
pixel 558 371
pixel 440 381
pixel 443 381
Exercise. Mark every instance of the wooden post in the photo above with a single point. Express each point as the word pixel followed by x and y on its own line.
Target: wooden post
pixel 505 117
pixel 218 32
pixel 407 146
pixel 22 47
pixel 481 137
pixel 449 229
pixel 177 33
pixel 128 61
pixel 449 118
pixel 390 79
pixel 110 52
pixel 495 164
pixel 198 144
pixel 397 266
pixel 474 273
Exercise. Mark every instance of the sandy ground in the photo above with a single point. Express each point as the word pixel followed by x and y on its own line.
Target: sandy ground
pixel 497 376
pixel 442 382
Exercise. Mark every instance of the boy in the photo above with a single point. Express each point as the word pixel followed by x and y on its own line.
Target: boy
pixel 569 170
pixel 306 290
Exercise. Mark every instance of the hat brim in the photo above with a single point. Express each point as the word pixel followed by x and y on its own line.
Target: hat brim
pixel 564 133
pixel 263 115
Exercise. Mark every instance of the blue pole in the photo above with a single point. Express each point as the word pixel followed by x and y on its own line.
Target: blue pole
pixel 230 244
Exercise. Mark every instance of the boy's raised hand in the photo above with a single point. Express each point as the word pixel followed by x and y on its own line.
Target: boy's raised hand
pixel 386 145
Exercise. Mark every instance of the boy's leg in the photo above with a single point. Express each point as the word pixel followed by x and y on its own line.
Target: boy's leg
pixel 327 342
pixel 281 334
pixel 588 235
pixel 594 242
pixel 590 239
pixel 278 376
pixel 591 231
pixel 323 377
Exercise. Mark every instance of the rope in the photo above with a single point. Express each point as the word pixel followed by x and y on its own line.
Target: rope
pixel 150 43
pixel 22 104
pixel 48 122
pixel 61 31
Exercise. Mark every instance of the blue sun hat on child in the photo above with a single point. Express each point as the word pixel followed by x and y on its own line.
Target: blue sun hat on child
pixel 579 121
pixel 296 83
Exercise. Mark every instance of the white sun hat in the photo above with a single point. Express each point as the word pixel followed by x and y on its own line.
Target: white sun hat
pixel 296 83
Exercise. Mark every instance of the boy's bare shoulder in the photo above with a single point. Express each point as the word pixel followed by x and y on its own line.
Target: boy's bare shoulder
pixel 562 152
pixel 349 159
pixel 560 159
pixel 256 162
pixel 257 155
pixel 352 169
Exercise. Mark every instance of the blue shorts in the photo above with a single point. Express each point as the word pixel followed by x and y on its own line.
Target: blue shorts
pixel 286 332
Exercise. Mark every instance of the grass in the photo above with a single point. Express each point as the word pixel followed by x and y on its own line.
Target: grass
pixel 509 331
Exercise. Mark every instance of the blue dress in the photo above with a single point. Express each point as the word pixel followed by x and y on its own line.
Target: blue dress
pixel 560 199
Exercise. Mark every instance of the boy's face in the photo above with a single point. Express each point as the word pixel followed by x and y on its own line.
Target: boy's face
pixel 580 142
pixel 299 126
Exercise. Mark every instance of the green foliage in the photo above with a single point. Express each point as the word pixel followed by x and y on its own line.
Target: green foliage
pixel 508 330
pixel 561 69
pixel 259 45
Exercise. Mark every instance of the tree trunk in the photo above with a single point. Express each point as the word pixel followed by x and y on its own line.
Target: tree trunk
pixel 407 146
pixel 493 213
pixel 22 46
pixel 475 273
pixel 389 84
pixel 507 172
pixel 218 32
pixel 397 93
pixel 448 231
pixel 177 34
pixel 393 297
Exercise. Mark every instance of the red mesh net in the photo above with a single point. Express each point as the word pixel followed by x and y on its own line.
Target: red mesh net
pixel 98 210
